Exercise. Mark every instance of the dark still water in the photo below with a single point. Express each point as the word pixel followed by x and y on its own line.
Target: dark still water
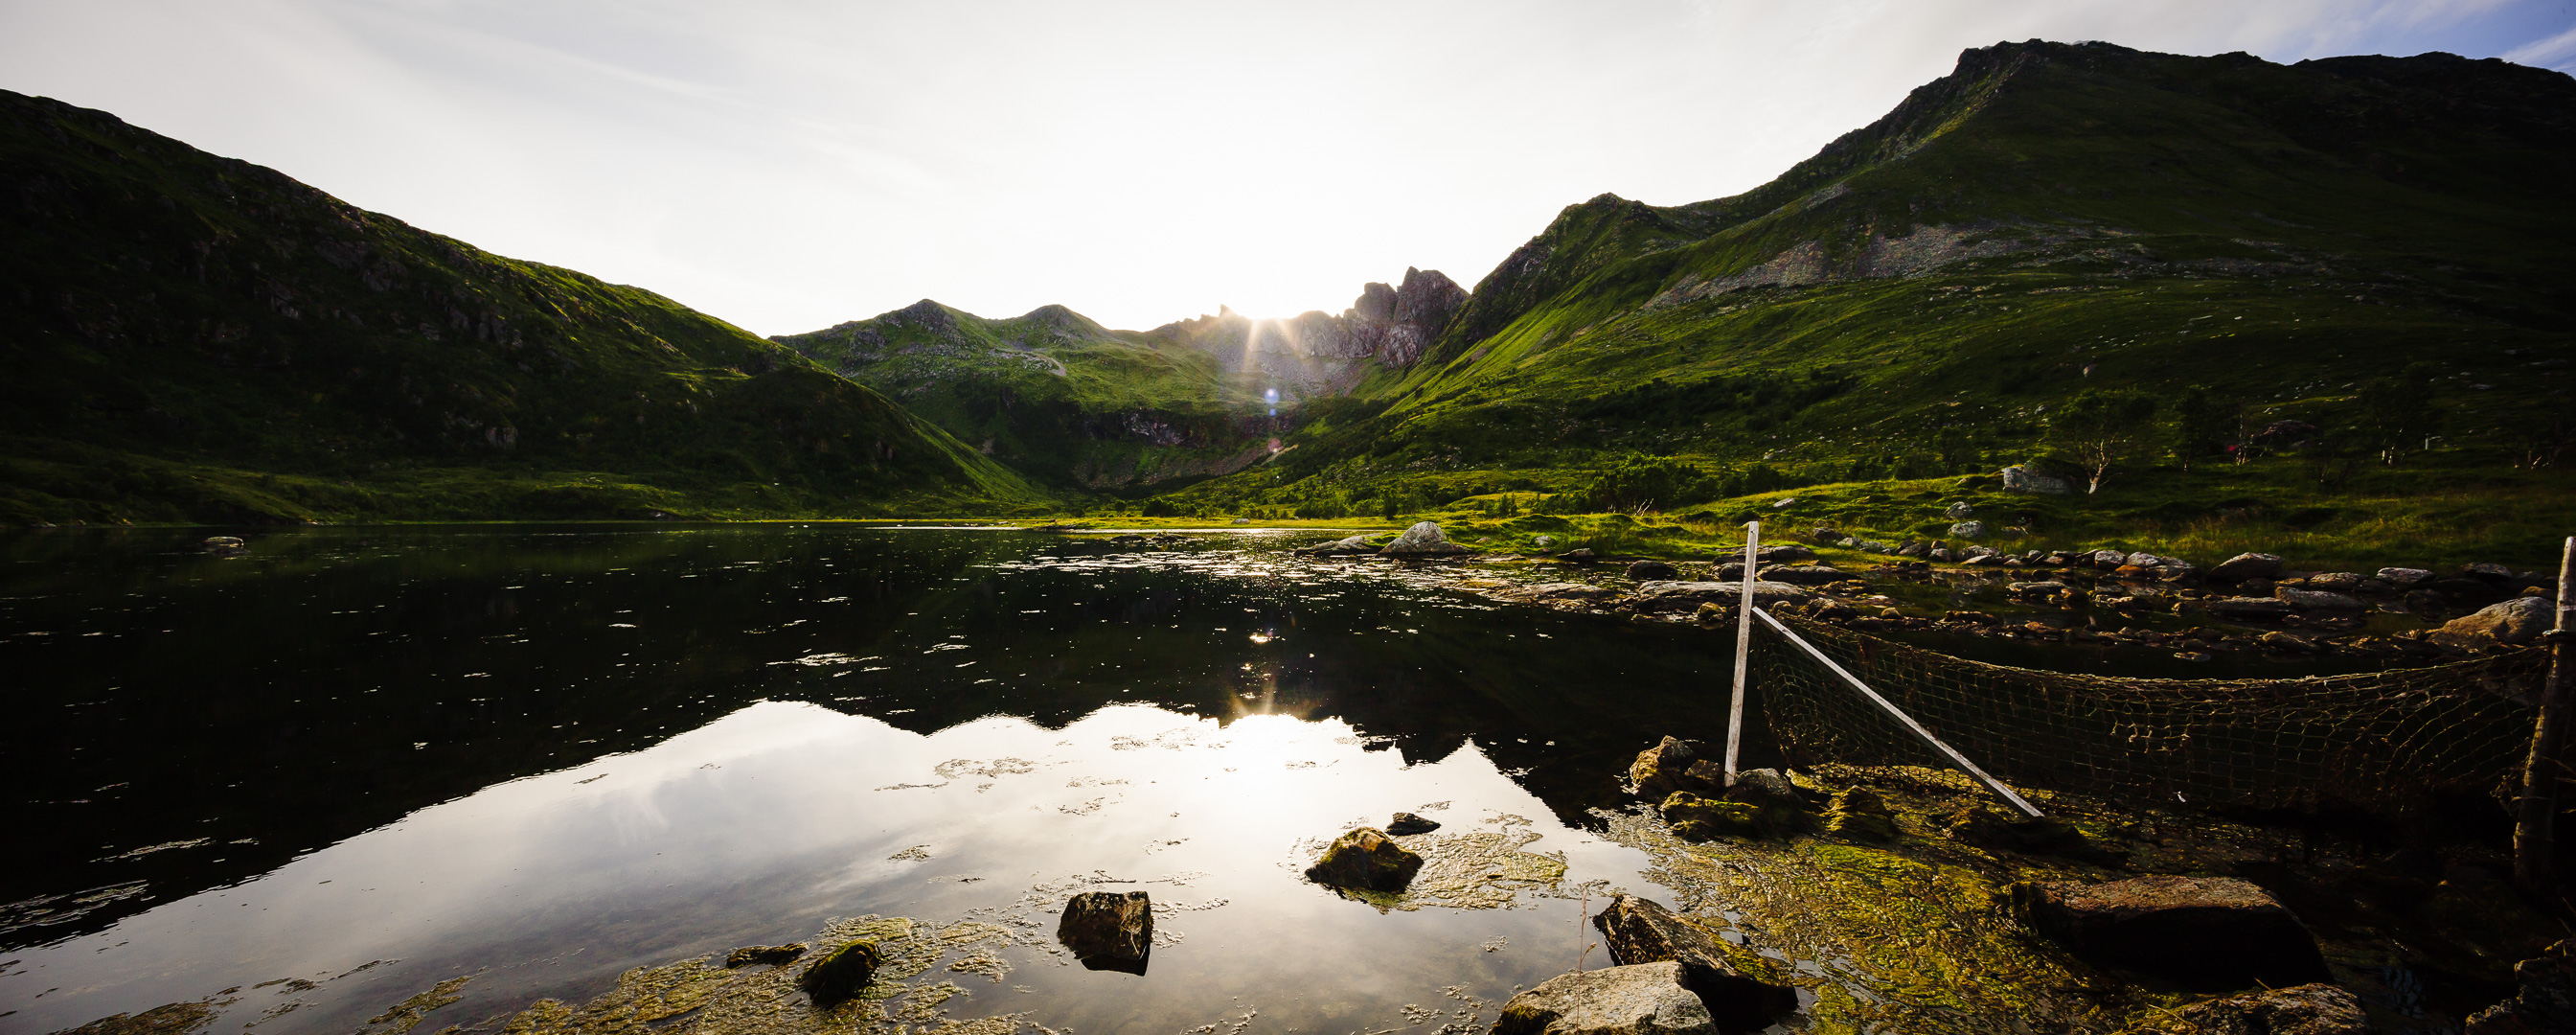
pixel 356 763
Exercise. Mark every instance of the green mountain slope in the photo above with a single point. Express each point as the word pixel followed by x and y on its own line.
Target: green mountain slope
pixel 191 337
pixel 1919 298
pixel 1054 394
pixel 1067 401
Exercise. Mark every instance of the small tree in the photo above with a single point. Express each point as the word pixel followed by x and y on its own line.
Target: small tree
pixel 2104 428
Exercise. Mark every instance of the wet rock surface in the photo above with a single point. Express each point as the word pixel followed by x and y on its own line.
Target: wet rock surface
pixel 768 955
pixel 1645 999
pixel 1665 768
pixel 1365 859
pixel 1733 984
pixel 1406 824
pixel 1109 930
pixel 1423 540
pixel 2208 933
pixel 2513 622
pixel 842 973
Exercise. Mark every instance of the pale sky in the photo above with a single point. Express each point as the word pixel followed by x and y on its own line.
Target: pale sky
pixel 788 165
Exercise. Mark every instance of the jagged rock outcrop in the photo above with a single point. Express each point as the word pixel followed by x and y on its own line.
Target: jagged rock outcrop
pixel 1317 353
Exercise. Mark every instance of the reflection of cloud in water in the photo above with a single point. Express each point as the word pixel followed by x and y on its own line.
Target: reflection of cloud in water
pixel 547 883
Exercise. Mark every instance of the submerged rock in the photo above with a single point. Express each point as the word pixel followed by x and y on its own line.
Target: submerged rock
pixel 772 955
pixel 1422 540
pixel 1365 859
pixel 1860 814
pixel 2209 933
pixel 1988 827
pixel 1644 999
pixel 2312 1009
pixel 1638 931
pixel 842 974
pixel 1109 930
pixel 1406 823
pixel 1694 818
pixel 2512 623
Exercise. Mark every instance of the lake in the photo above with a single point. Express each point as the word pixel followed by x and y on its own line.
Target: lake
pixel 309 782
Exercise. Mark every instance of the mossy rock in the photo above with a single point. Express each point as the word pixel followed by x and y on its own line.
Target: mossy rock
pixel 1695 818
pixel 1365 859
pixel 842 974
pixel 1991 828
pixel 1859 814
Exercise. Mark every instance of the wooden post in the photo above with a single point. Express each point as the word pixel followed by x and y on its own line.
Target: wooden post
pixel 2533 836
pixel 1743 649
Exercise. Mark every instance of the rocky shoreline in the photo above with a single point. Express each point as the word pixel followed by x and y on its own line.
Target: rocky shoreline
pixel 2101 598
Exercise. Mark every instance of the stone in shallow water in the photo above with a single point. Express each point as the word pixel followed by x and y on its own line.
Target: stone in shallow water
pixel 1637 930
pixel 1664 768
pixel 1365 859
pixel 773 955
pixel 1645 999
pixel 1406 823
pixel 1653 571
pixel 1422 540
pixel 2209 933
pixel 842 974
pixel 1109 930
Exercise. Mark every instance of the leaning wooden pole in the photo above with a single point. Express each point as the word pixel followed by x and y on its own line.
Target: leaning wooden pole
pixel 2533 836
pixel 1743 649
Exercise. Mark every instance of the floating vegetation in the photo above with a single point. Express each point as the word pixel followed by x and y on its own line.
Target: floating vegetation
pixel 710 999
pixel 1475 870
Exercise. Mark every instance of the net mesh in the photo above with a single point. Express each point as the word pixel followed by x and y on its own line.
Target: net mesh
pixel 2388 742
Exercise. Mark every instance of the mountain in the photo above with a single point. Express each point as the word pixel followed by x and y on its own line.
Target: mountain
pixel 191 337
pixel 2374 246
pixel 1064 400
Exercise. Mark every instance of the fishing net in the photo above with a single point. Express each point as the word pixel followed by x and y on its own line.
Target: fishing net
pixel 2387 742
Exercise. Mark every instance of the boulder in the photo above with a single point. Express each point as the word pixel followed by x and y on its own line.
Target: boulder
pixel 2544 998
pixel 1643 999
pixel 2208 933
pixel 842 974
pixel 1423 540
pixel 2512 623
pixel 1783 553
pixel 2246 607
pixel 1365 859
pixel 1801 574
pixel 1959 511
pixel 2311 1009
pixel 1765 787
pixel 2495 575
pixel 1406 824
pixel 2340 582
pixel 1664 768
pixel 1823 534
pixel 2405 578
pixel 1580 555
pixel 1661 597
pixel 1968 530
pixel 2317 600
pixel 2022 479
pixel 771 955
pixel 1940 554
pixel 1653 571
pixel 2245 566
pixel 2143 559
pixel 1112 930
pixel 1914 548
pixel 1638 931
